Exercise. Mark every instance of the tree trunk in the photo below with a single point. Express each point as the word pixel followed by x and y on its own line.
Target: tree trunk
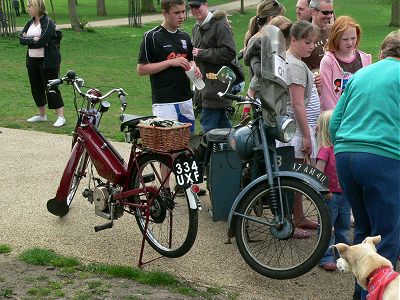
pixel 395 21
pixel 242 6
pixel 22 6
pixel 76 2
pixel 73 15
pixel 101 8
pixel 148 6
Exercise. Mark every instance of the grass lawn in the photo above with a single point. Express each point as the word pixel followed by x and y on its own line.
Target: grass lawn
pixel 87 10
pixel 107 57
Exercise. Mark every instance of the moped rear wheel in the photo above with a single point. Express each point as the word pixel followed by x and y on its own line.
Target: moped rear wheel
pixel 172 226
pixel 271 250
pixel 79 173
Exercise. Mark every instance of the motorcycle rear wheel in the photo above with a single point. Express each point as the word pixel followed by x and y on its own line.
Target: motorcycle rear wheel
pixel 172 227
pixel 273 253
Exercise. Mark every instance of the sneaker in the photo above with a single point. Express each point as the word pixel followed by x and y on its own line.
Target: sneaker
pixel 60 122
pixel 37 119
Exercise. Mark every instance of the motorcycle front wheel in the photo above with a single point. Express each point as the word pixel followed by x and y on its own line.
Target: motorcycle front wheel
pixel 172 226
pixel 79 173
pixel 271 250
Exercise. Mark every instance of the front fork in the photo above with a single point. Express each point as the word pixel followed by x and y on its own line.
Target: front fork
pixel 58 205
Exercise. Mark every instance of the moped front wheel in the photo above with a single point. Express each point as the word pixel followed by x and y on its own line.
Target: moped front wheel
pixel 264 233
pixel 79 173
pixel 172 226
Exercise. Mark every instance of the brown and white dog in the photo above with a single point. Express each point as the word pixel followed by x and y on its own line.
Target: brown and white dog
pixel 373 272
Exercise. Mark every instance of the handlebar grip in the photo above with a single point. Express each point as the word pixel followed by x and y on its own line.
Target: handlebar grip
pixel 54 82
pixel 123 101
pixel 237 98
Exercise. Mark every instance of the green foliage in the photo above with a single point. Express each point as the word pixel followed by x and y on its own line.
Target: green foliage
pixel 45 257
pixel 6 293
pixel 150 278
pixel 4 248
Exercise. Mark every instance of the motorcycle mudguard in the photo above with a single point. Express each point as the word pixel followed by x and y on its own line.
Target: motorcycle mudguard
pixel 58 206
pixel 313 183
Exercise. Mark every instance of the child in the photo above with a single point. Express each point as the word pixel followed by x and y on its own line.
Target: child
pixel 341 60
pixel 339 208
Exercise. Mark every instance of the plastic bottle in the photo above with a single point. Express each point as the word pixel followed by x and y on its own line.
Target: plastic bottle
pixel 198 82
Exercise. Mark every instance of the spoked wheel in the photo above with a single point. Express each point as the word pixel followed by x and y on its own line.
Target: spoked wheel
pixel 172 226
pixel 79 172
pixel 265 237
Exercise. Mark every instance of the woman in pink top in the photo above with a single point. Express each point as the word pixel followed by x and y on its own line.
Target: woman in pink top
pixel 341 60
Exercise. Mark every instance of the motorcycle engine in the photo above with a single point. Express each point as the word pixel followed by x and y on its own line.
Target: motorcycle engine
pixel 100 198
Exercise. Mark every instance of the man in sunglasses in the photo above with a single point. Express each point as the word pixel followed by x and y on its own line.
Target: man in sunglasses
pixel 321 13
pixel 213 47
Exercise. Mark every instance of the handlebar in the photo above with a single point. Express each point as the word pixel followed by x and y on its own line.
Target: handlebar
pixel 255 103
pixel 71 78
pixel 228 96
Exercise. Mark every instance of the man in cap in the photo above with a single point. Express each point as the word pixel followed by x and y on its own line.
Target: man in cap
pixel 213 47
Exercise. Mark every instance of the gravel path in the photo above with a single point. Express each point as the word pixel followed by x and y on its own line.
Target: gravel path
pixel 31 164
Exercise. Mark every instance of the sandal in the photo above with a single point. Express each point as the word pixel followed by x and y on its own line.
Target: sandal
pixel 308 224
pixel 300 233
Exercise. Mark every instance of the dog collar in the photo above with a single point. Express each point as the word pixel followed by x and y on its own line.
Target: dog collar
pixel 378 280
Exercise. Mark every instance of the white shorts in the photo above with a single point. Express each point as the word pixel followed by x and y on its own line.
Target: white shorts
pixel 297 143
pixel 181 111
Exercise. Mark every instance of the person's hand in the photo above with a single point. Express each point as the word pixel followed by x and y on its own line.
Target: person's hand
pixel 197 72
pixel 317 80
pixel 35 38
pixel 196 51
pixel 307 146
pixel 328 196
pixel 180 62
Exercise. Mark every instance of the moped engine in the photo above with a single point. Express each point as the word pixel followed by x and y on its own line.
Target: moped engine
pixel 100 198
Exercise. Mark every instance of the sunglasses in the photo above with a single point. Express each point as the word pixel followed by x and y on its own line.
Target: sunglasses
pixel 325 12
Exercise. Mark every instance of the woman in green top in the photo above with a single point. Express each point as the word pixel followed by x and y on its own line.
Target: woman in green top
pixel 365 130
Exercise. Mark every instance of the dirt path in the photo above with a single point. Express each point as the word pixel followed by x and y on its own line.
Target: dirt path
pixel 31 164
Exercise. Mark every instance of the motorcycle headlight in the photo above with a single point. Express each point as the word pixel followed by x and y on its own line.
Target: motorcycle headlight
pixel 286 128
pixel 242 141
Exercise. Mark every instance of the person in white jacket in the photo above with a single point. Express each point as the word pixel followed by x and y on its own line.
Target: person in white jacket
pixel 341 60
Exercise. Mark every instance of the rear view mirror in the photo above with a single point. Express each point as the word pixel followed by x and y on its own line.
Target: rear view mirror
pixel 226 75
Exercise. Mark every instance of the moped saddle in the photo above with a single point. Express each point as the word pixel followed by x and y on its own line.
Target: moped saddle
pixel 218 135
pixel 128 120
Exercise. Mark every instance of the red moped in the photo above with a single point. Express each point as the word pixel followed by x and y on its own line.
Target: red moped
pixel 138 187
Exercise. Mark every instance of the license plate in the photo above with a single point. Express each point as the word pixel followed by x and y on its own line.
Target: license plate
pixel 187 170
pixel 311 171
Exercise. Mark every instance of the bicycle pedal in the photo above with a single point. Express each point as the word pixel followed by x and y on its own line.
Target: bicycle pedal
pixel 102 227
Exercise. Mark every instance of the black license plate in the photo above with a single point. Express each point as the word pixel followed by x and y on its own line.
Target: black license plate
pixel 311 171
pixel 187 170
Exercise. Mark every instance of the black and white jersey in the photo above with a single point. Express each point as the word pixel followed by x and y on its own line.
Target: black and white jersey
pixel 172 84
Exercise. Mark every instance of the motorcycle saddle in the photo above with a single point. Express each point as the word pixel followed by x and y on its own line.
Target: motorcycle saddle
pixel 218 135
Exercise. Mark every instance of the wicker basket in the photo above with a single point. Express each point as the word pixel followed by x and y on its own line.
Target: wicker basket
pixel 165 139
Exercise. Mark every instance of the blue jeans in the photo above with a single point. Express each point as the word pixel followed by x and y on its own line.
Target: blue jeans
pixel 339 214
pixel 371 185
pixel 212 118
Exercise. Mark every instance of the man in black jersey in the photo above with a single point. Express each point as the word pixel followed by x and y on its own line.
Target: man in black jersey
pixel 165 55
